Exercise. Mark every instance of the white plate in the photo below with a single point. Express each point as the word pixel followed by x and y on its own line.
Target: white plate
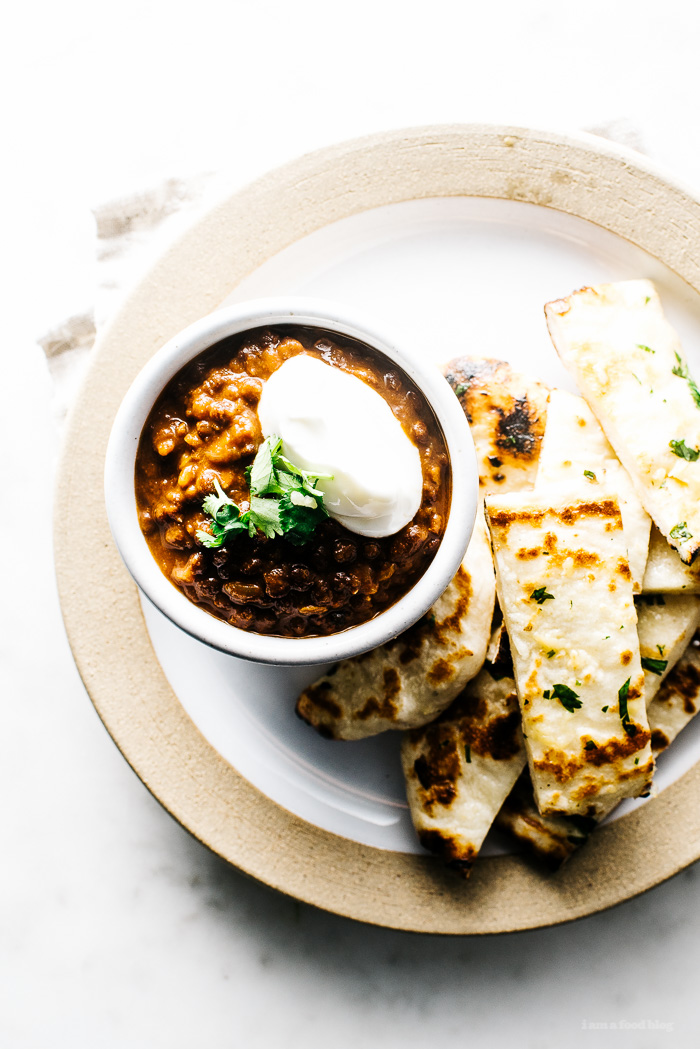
pixel 451 276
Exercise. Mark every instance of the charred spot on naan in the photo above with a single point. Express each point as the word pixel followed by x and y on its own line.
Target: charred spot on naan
pixel 507 414
pixel 564 767
pixel 458 855
pixel 659 740
pixel 437 767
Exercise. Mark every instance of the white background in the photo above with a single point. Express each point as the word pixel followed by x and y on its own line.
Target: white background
pixel 117 929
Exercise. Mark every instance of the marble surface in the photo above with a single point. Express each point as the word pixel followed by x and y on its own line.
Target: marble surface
pixel 116 928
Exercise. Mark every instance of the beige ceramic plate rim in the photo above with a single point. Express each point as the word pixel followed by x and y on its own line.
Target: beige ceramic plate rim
pixel 576 174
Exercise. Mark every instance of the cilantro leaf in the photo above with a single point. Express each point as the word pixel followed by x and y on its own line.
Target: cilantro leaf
pixel 227 519
pixel 680 531
pixel 540 595
pixel 298 519
pixel 655 666
pixel 284 500
pixel 566 696
pixel 622 694
pixel 262 478
pixel 681 449
pixel 681 370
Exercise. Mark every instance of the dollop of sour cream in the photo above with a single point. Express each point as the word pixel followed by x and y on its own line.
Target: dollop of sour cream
pixel 334 423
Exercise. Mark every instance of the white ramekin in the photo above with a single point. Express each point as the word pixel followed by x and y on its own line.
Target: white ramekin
pixel 121 498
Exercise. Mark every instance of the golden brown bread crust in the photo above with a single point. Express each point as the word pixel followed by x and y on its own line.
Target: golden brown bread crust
pixel 460 768
pixel 507 414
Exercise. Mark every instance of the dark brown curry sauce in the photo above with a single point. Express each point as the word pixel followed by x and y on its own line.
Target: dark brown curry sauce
pixel 204 426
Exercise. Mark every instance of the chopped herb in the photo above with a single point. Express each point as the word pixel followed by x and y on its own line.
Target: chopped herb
pixel 590 745
pixel 622 694
pixel 605 709
pixel 681 449
pixel 656 666
pixel 681 370
pixel 647 349
pixel 590 475
pixel 648 299
pixel 636 761
pixel 540 595
pixel 637 378
pixel 607 637
pixel 551 653
pixel 662 649
pixel 509 440
pixel 680 531
pixel 566 696
pixel 468 754
pixel 547 694
pixel 284 500
pixel 461 388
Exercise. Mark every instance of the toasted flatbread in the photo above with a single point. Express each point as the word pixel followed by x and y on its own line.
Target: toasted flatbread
pixel 678 700
pixel 460 769
pixel 670 706
pixel 629 365
pixel 552 839
pixel 665 625
pixel 575 450
pixel 565 591
pixel 506 413
pixel 409 681
pixel 665 573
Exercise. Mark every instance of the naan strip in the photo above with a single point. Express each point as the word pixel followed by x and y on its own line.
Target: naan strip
pixel 506 413
pixel 460 769
pixel 409 681
pixel 678 700
pixel 665 625
pixel 575 450
pixel 665 573
pixel 629 365
pixel 554 838
pixel 564 588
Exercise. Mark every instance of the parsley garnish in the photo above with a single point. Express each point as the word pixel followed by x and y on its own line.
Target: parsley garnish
pixel 566 696
pixel 604 709
pixel 647 349
pixel 284 500
pixel 681 370
pixel 540 595
pixel 622 694
pixel 468 754
pixel 590 475
pixel 461 388
pixel 680 531
pixel 656 666
pixel 681 449
pixel 590 745
pixel 551 653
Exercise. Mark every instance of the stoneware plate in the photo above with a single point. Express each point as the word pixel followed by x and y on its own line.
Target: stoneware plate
pixel 453 238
